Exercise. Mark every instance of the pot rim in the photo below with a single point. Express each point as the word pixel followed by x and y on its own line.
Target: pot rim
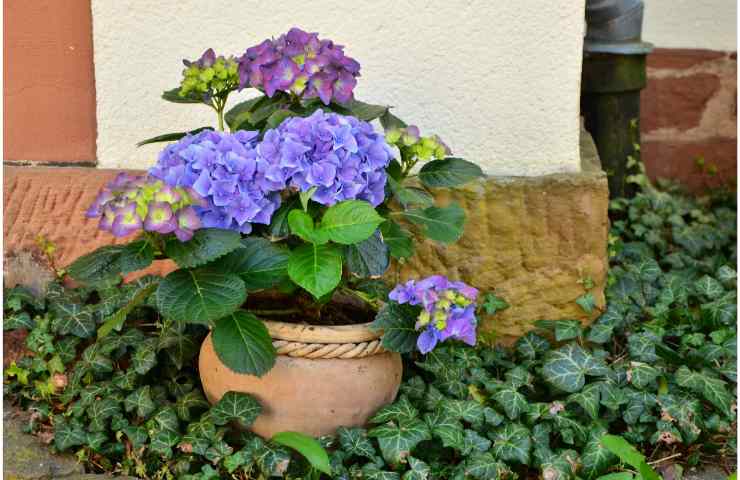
pixel 295 332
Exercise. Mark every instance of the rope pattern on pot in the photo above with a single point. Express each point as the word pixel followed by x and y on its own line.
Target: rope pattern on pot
pixel 328 350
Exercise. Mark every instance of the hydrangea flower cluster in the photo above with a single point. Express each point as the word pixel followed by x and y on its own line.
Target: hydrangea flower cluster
pixel 301 63
pixel 423 147
pixel 209 75
pixel 130 203
pixel 223 168
pixel 447 309
pixel 341 156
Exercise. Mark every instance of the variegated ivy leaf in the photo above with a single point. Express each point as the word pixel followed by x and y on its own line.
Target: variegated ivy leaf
pixel 474 442
pixel 177 343
pixel 709 287
pixel 484 466
pixel 101 410
pixel 66 348
pixel 401 409
pixel 94 359
pixel 145 356
pixel 511 402
pixel 355 442
pixel 373 472
pixel 566 368
pixel 68 433
pixel 561 466
pixel 612 396
pixel 641 374
pixel 727 275
pixel 73 319
pixel 15 321
pixel 418 470
pixel 642 346
pixel 447 428
pixel 567 329
pixel 722 311
pixel 588 399
pixel 162 443
pixel 587 302
pixel 571 431
pixel 414 388
pixel 647 269
pixel 237 406
pixel 273 460
pixel 193 400
pixel 531 345
pixel 492 417
pixel 638 404
pixel 140 401
pixel 137 435
pixel 218 450
pixel 600 333
pixel 396 440
pixel 512 443
pixel 125 380
pixel 95 440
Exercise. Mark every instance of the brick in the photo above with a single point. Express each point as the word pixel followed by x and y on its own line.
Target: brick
pixel 677 160
pixel 681 58
pixel 49 81
pixel 676 102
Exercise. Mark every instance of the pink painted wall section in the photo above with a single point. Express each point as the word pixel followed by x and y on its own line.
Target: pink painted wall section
pixel 689 112
pixel 49 82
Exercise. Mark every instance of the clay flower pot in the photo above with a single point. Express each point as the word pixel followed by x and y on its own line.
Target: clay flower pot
pixel 324 377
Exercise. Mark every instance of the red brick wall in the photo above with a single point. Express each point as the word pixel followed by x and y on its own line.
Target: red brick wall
pixel 689 112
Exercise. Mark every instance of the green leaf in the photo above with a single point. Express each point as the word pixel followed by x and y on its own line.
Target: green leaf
pixel 512 443
pixel 588 399
pixel 397 239
pixel 399 411
pixel 243 344
pixel 372 472
pixel 279 227
pixel 145 356
pixel 492 304
pixel 419 470
pixel 447 428
pixel 469 410
pixel 237 406
pixel 709 287
pixel 390 121
pixel 206 245
pixel 595 457
pixel 368 258
pixel 15 321
pixel 397 322
pixel 173 95
pixel 99 266
pixel 302 225
pixel 277 117
pixel 396 440
pixel 642 374
pixel 408 196
pixel 511 402
pixel 567 330
pixel 306 446
pixel 474 442
pixel 306 196
pixel 484 466
pixel 600 333
pixel 116 321
pixel 171 137
pixel 73 319
pixel 716 392
pixel 449 172
pixel 101 410
pixel 629 455
pixel 179 345
pixel 162 443
pixel 68 434
pixel 566 367
pixel 531 345
pixel 199 296
pixel 316 268
pixel 587 302
pixel 442 224
pixel 355 442
pixel 365 111
pixel 140 401
pixel 240 113
pixel 260 263
pixel 136 256
pixel 350 222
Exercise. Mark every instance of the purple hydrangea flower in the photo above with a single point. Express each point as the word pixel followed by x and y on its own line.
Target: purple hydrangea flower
pixel 301 63
pixel 447 310
pixel 342 157
pixel 129 203
pixel 236 186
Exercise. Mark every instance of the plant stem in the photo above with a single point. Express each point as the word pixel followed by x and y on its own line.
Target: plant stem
pixel 284 311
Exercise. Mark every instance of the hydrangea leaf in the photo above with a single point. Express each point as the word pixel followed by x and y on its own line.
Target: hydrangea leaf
pixel 279 227
pixel 512 443
pixel 355 442
pixel 399 410
pixel 397 324
pixel 365 111
pixel 350 222
pixel 398 240
pixel 240 112
pixel 243 343
pixel 237 406
pixel 260 263
pixel 442 224
pixel 449 172
pixel 302 225
pixel 419 470
pixel 511 402
pixel 99 266
pixel 368 258
pixel 409 196
pixel 316 268
pixel 134 299
pixel 199 296
pixel 396 440
pixel 171 137
pixel 207 245
pixel 447 428
pixel 136 256
pixel 307 446
pixel 484 466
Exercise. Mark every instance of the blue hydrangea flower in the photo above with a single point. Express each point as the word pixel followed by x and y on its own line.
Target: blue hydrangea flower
pixel 341 156
pixel 447 310
pixel 224 169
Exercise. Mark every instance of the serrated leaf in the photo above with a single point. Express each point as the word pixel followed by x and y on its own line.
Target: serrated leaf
pixel 243 344
pixel 350 222
pixel 512 443
pixel 442 224
pixel 396 440
pixel 207 245
pixel 171 137
pixel 316 268
pixel 237 406
pixel 449 172
pixel 302 225
pixel 199 296
pixel 397 239
pixel 259 262
pixel 369 258
pixel 99 266
pixel 397 322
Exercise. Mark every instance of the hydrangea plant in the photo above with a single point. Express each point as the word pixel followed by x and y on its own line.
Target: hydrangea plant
pixel 302 194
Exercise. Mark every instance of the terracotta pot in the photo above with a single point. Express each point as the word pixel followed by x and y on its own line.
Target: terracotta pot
pixel 312 396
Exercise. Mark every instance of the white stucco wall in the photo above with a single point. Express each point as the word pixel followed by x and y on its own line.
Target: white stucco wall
pixel 499 81
pixel 706 24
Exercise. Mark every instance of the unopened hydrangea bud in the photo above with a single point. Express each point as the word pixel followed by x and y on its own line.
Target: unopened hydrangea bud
pixel 443 304
pixel 393 136
pixel 424 318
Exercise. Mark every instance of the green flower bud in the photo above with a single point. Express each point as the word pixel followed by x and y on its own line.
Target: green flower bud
pixel 393 136
pixel 424 318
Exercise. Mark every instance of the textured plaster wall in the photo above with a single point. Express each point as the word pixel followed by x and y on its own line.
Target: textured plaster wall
pixel 499 81
pixel 708 24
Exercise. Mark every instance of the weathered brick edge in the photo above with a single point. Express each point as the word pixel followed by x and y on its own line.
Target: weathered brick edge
pixel 689 110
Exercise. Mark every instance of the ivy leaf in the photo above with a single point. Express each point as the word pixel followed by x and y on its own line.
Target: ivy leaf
pixel 474 442
pixel 414 388
pixel 165 420
pixel 398 240
pixel 600 333
pixel 101 410
pixel 259 262
pixel 642 374
pixel 178 344
pixel 588 399
pixel 192 400
pixel 566 367
pixel 587 302
pixel 396 440
pixel 73 319
pixel 162 443
pixel 68 434
pixel 199 296
pixel 400 410
pixel 642 347
pixel 316 268
pixel 140 401
pixel 368 258
pixel 595 457
pixel 717 393
pixel 709 287
pixel 235 406
pixel 512 443
pixel 531 345
pixel 468 410
pixel 243 344
pixel 449 172
pixel 15 321
pixel 145 356
pixel 350 222
pixel 355 442
pixel 136 298
pixel 447 428
pixel 419 470
pixel 567 330
pixel 612 397
pixel 94 359
pixel 442 224
pixel 397 322
pixel 484 466
pixel 492 304
pixel 511 402
pixel 727 275
pixel 372 472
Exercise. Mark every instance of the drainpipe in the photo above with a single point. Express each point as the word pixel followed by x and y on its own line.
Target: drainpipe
pixel 612 77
